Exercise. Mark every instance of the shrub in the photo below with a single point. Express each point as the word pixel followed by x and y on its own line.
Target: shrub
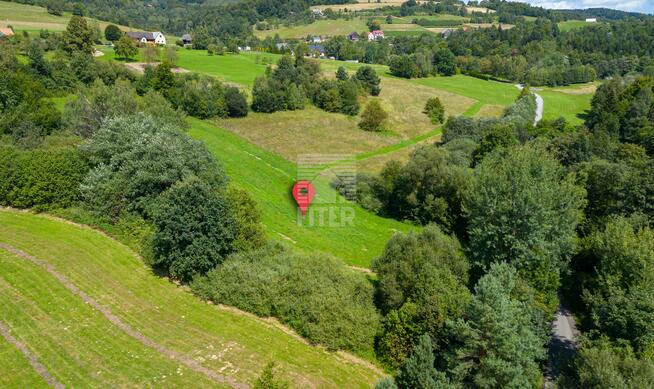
pixel 237 105
pixel 112 33
pixel 41 179
pixel 136 158
pixel 195 229
pixel 435 110
pixel 374 117
pixel 250 232
pixel 316 295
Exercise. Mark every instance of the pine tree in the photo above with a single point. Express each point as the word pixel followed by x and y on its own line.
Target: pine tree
pixel 341 74
pixel 418 371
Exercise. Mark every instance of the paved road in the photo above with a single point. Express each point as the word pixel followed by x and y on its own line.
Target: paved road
pixel 540 105
pixel 562 345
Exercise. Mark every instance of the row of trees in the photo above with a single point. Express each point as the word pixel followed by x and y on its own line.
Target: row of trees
pixel 294 81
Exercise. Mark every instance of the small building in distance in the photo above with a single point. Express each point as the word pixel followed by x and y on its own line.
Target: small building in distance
pixel 187 39
pixel 446 33
pixel 316 39
pixel 317 50
pixel 6 31
pixel 375 35
pixel 354 36
pixel 591 20
pixel 155 38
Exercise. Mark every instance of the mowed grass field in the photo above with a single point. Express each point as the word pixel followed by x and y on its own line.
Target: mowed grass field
pixel 30 18
pixel 268 178
pixel 44 306
pixel 240 68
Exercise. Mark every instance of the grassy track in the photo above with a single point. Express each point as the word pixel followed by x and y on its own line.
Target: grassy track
pixel 79 347
pixel 269 178
pixel 16 371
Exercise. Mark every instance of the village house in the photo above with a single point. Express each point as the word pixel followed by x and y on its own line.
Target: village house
pixel 187 40
pixel 316 39
pixel 446 33
pixel 317 50
pixel 373 35
pixel 354 36
pixel 591 20
pixel 6 32
pixel 155 38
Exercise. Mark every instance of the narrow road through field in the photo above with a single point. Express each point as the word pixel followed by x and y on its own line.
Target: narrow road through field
pixel 562 345
pixel 540 105
pixel 115 320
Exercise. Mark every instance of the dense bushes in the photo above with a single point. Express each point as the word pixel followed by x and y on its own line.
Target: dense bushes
pixel 135 158
pixel 316 295
pixel 195 228
pixel 40 178
pixel 422 283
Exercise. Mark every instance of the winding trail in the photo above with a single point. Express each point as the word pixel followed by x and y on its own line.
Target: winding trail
pixel 115 320
pixel 31 358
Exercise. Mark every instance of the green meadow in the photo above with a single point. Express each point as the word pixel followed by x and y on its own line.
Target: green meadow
pixel 573 24
pixel 268 178
pixel 240 68
pixel 23 17
pixel 80 347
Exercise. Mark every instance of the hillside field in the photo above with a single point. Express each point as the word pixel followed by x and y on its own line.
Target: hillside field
pixel 23 17
pixel 319 28
pixel 268 178
pixel 93 315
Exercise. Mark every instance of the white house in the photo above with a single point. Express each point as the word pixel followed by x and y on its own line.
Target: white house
pixel 375 35
pixel 155 38
pixel 591 20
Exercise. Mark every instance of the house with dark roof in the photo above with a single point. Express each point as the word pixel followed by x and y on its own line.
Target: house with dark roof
pixel 155 38
pixel 186 39
pixel 317 50
pixel 354 36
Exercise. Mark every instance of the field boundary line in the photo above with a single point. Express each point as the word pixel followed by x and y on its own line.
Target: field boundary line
pixel 115 320
pixel 31 358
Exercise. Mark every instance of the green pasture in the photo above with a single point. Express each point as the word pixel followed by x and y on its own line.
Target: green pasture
pixel 269 178
pixel 567 105
pixel 80 347
pixel 573 24
pixel 486 92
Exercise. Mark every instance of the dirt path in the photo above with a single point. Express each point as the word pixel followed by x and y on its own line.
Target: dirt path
pixel 115 320
pixel 31 358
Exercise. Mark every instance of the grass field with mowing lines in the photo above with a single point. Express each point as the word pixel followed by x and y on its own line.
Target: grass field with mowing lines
pixel 81 348
pixel 268 178
pixel 16 370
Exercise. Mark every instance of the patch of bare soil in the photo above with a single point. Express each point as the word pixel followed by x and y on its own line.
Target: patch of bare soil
pixel 140 67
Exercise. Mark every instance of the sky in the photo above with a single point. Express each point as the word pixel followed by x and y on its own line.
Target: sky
pixel 645 6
